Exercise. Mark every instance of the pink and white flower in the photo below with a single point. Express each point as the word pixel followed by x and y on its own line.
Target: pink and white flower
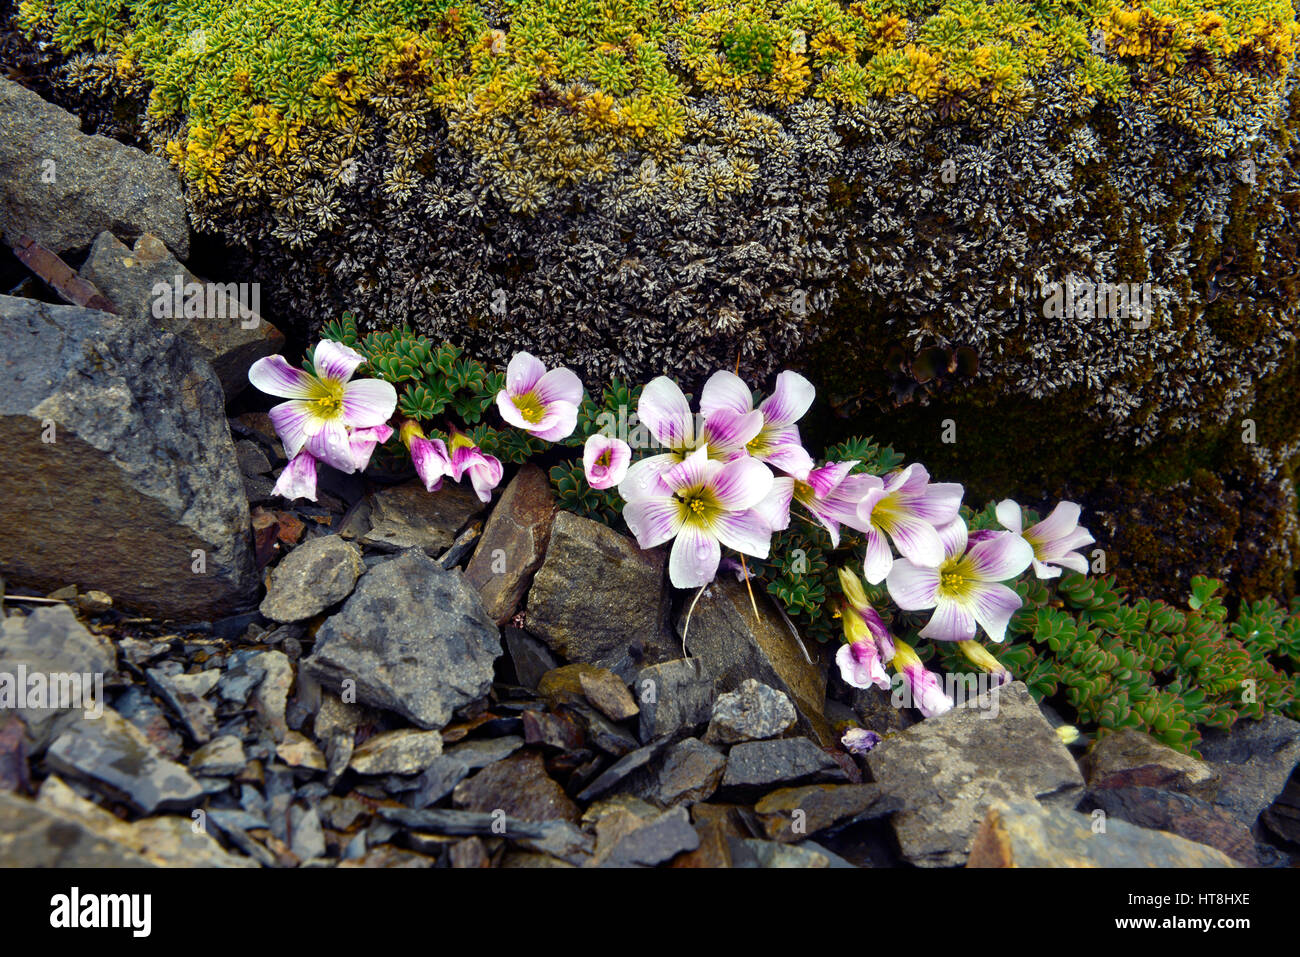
pixel 829 494
pixel 869 645
pixel 364 441
pixel 429 456
pixel 777 442
pixel 908 508
pixel 1053 540
pixel 859 740
pixel 924 690
pixel 605 460
pixel 298 480
pixel 666 414
pixel 323 409
pixel 706 504
pixel 484 470
pixel 965 589
pixel 542 403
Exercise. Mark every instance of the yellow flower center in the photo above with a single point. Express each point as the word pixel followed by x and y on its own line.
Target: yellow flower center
pixel 328 404
pixel 604 458
pixel 953 584
pixel 530 407
pixel 699 506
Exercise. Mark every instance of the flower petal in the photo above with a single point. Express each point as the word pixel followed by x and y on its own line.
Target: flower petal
pixel 652 520
pixel 523 372
pixel 298 480
pixel 1063 520
pixel 364 441
pixel 790 399
pixel 951 621
pixel 510 412
pixel 879 560
pixel 290 421
pixel 939 503
pixel 725 390
pixel 663 410
pixel 791 458
pixel 954 537
pixel 332 446
pixel 695 471
pixel 1000 557
pixel 694 559
pixel 741 483
pixel 274 376
pixel 774 509
pixel 917 540
pixel 560 385
pixel 368 402
pixel 828 478
pixel 912 587
pixel 727 432
pixel 1010 516
pixel 566 420
pixel 335 361
pixel 745 532
pixel 993 606
pixel 431 461
pixel 645 478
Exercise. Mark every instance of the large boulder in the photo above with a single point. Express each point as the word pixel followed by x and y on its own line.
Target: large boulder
pixel 734 646
pixel 949 770
pixel 119 467
pixel 62 186
pixel 413 639
pixel 601 599
pixel 220 320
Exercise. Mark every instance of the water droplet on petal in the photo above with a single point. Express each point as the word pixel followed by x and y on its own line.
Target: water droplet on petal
pixel 701 551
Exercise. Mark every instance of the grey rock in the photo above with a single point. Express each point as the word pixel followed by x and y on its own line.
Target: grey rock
pixel 317 574
pixel 335 730
pixel 137 706
pixel 784 761
pixel 32 836
pixel 1254 760
pixel 1023 833
pixel 484 751
pixel 307 838
pixel 184 695
pixel 397 752
pixel 673 696
pixel 413 637
pixel 531 658
pixel 753 712
pixel 221 322
pixel 252 458
pixel 221 756
pixel 621 769
pixel 97 181
pixel 1181 814
pixel 150 503
pixel 513 543
pixel 1131 758
pixel 691 772
pixel 598 598
pixel 752 852
pixel 49 641
pixel 733 647
pixel 272 694
pixel 656 841
pixel 111 755
pixel 948 770
pixel 407 516
pixel 438 780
